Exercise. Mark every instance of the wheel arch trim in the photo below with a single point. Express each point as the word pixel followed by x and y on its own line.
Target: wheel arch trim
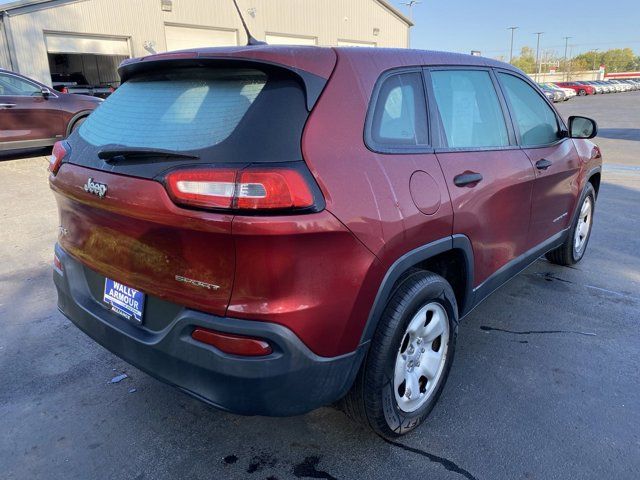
pixel 412 258
pixel 75 118
pixel 590 174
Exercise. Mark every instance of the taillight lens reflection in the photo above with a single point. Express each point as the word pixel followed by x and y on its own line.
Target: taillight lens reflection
pixel 276 188
pixel 273 189
pixel 202 188
pixel 60 150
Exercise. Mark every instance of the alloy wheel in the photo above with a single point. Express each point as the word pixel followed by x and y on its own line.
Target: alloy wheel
pixel 421 357
pixel 583 227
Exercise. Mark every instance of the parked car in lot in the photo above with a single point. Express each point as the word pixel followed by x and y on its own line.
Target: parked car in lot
pixel 632 85
pixel 605 86
pixel 568 92
pixel 580 89
pixel 618 86
pixel 554 94
pixel 211 235
pixel 77 83
pixel 32 116
pixel 598 88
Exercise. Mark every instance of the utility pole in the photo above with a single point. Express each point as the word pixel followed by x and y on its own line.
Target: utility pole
pixel 538 56
pixel 595 55
pixel 513 29
pixel 566 47
pixel 410 4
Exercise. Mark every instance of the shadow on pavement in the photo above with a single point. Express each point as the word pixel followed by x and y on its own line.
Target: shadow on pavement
pixel 19 154
pixel 620 133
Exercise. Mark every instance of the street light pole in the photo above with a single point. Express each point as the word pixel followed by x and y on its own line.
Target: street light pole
pixel 566 46
pixel 410 4
pixel 538 56
pixel 595 55
pixel 513 29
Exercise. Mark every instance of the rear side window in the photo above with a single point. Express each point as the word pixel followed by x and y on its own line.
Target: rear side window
pixel 399 117
pixel 534 118
pixel 175 111
pixel 469 109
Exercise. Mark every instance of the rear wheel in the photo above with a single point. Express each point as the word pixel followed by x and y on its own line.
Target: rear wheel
pixel 575 245
pixel 582 93
pixel 409 359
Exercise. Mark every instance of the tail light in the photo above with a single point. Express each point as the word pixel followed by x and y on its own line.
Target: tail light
pixel 249 189
pixel 232 344
pixel 60 151
pixel 57 264
pixel 64 90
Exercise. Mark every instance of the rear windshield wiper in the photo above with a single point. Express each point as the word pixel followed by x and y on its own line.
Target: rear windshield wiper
pixel 119 155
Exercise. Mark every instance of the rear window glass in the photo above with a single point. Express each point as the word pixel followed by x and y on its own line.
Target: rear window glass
pixel 400 113
pixel 182 110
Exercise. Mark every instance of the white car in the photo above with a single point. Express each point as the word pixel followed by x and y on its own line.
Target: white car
pixel 569 92
pixel 623 86
pixel 616 87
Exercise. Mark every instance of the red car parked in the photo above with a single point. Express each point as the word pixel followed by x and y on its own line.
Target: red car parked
pixel 272 229
pixel 32 115
pixel 579 88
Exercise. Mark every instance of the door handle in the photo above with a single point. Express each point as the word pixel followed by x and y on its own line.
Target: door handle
pixel 7 105
pixel 467 178
pixel 543 164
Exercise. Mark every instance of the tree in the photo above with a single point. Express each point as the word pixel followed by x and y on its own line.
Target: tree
pixel 614 60
pixel 590 60
pixel 619 60
pixel 526 61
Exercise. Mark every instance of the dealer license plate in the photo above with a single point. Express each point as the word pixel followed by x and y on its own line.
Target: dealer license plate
pixel 123 300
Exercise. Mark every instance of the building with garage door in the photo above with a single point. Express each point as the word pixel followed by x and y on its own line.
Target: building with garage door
pixel 39 38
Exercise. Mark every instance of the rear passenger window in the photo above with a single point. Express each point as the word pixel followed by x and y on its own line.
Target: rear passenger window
pixel 534 118
pixel 469 109
pixel 400 112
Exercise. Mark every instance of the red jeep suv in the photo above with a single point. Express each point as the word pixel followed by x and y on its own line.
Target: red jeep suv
pixel 272 229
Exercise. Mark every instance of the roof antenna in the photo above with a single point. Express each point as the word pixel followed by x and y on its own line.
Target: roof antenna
pixel 250 39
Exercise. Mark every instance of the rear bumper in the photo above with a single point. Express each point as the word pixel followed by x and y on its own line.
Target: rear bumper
pixel 290 381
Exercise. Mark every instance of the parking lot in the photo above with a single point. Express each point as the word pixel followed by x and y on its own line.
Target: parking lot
pixel 545 383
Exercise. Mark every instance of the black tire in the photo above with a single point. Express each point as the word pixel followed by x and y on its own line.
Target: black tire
pixel 582 93
pixel 566 254
pixel 371 400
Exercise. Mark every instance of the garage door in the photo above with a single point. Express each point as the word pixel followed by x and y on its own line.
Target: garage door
pixel 64 43
pixel 277 39
pixel 181 38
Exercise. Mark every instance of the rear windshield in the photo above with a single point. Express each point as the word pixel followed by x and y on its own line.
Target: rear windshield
pixel 222 114
pixel 178 111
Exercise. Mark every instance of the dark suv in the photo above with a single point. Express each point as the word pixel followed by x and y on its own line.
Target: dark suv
pixel 33 116
pixel 273 229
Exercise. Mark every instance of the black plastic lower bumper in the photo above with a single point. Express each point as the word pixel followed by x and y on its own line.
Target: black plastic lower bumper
pixel 292 380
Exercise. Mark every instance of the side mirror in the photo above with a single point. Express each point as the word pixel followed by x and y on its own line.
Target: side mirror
pixel 46 93
pixel 582 127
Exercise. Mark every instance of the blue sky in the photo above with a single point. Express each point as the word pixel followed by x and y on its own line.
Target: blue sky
pixel 465 25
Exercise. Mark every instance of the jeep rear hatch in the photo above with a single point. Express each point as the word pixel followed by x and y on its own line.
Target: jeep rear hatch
pixel 176 150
